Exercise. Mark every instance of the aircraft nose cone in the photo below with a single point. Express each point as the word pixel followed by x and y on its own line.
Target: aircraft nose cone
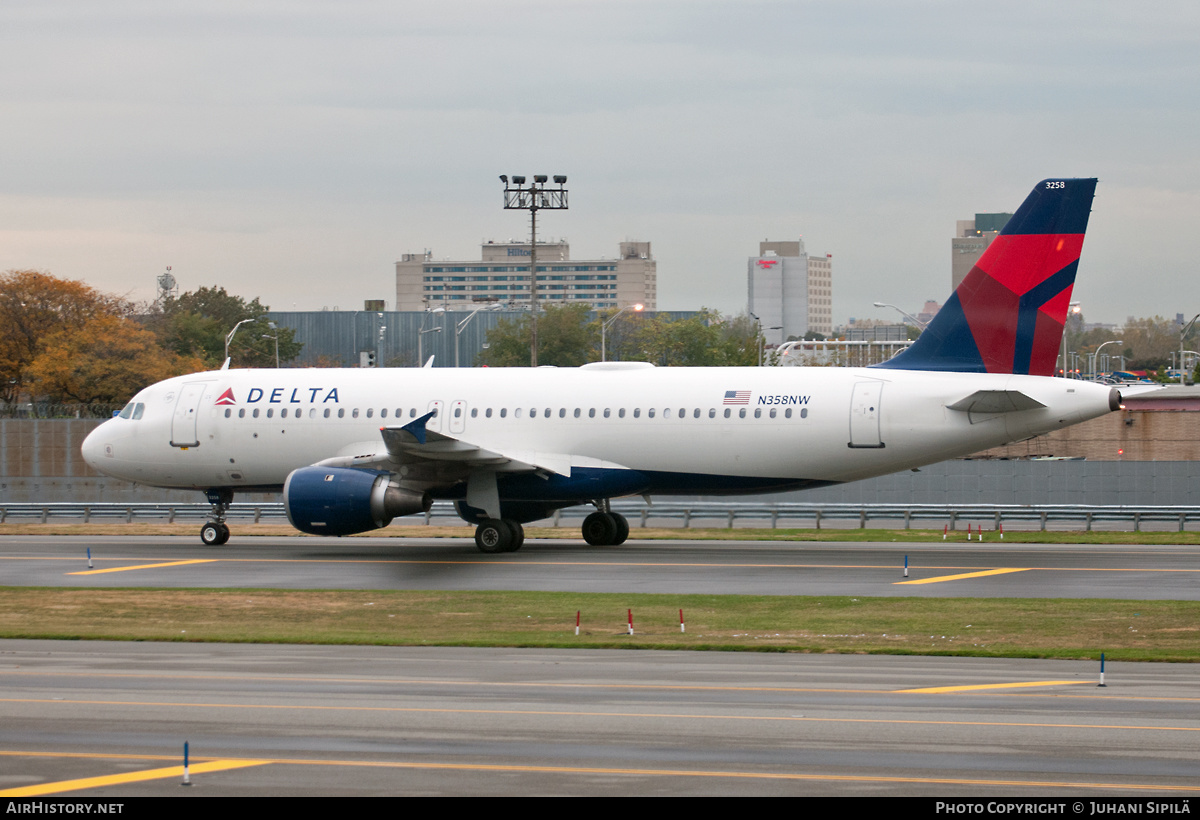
pixel 92 449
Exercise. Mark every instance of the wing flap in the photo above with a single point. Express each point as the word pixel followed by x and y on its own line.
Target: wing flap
pixel 413 444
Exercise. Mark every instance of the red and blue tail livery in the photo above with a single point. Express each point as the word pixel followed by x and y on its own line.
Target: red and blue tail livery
pixel 1008 314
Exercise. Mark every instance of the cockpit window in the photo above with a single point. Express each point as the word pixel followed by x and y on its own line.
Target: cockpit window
pixel 133 410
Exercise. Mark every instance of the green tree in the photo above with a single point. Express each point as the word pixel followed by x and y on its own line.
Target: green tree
pixel 1149 342
pixel 565 339
pixel 196 324
pixel 704 340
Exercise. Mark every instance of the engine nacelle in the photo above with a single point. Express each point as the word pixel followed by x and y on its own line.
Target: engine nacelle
pixel 341 501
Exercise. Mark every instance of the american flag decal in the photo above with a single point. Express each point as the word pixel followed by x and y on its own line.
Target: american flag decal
pixel 737 397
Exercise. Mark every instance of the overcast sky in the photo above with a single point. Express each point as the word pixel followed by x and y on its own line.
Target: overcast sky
pixel 293 150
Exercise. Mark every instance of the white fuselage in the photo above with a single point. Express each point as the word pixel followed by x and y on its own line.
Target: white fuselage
pixel 776 424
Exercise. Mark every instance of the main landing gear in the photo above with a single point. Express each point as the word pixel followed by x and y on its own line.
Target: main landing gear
pixel 215 533
pixel 605 529
pixel 600 529
pixel 496 535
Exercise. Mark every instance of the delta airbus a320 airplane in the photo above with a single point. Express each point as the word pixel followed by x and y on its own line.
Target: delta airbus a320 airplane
pixel 352 449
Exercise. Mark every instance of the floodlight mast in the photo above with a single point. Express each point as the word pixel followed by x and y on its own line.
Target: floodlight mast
pixel 534 198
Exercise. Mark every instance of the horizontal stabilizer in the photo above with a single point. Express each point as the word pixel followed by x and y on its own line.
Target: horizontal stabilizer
pixel 996 401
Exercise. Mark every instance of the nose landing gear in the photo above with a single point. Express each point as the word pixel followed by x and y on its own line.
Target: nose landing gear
pixel 215 532
pixel 214 535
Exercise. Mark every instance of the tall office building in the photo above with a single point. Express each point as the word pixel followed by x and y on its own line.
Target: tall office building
pixel 502 275
pixel 971 239
pixel 789 291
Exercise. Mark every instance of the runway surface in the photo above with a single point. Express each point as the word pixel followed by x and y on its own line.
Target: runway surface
pixel 108 720
pixel 936 569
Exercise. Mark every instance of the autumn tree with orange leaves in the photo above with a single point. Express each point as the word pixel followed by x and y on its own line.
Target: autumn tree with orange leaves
pixel 105 361
pixel 64 341
pixel 34 305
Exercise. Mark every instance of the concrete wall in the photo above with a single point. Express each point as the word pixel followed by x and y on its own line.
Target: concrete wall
pixel 40 461
pixel 1025 482
pixel 1156 435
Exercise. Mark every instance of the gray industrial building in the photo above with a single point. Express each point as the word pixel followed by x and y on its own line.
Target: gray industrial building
pixel 341 338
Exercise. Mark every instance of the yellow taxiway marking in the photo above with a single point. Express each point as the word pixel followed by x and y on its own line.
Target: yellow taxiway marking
pixel 793 690
pixel 146 566
pixel 977 687
pixel 940 578
pixel 128 777
pixel 177 771
pixel 612 564
pixel 429 710
pixel 549 684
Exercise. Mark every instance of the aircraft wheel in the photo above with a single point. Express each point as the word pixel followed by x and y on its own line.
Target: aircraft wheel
pixel 493 535
pixel 211 534
pixel 622 529
pixel 224 534
pixel 600 529
pixel 518 536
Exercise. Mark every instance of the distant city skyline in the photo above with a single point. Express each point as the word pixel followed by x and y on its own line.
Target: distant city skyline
pixel 295 152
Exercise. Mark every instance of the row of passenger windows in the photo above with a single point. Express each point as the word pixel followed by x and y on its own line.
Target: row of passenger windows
pixel 534 412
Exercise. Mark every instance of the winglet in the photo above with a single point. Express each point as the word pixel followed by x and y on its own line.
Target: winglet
pixel 1008 314
pixel 416 427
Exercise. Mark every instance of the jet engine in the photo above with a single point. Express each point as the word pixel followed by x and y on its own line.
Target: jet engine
pixel 342 501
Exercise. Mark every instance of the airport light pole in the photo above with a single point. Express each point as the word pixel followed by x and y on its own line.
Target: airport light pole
pixel 1073 309
pixel 379 340
pixel 604 326
pixel 906 315
pixel 534 198
pixel 458 328
pixel 273 327
pixel 762 348
pixel 1182 333
pixel 1096 355
pixel 229 337
pixel 421 331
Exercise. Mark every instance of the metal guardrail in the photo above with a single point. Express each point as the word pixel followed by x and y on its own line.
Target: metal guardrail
pixel 951 515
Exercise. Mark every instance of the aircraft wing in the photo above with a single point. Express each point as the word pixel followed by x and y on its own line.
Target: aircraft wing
pixel 412 444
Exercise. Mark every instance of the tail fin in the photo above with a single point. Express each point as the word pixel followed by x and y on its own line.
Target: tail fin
pixel 1008 314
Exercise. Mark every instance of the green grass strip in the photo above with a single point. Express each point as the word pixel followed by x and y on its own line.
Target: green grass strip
pixel 1028 628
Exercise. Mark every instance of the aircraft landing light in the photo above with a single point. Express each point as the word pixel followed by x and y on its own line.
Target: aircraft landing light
pixel 940 578
pixel 128 777
pixel 146 566
pixel 938 690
